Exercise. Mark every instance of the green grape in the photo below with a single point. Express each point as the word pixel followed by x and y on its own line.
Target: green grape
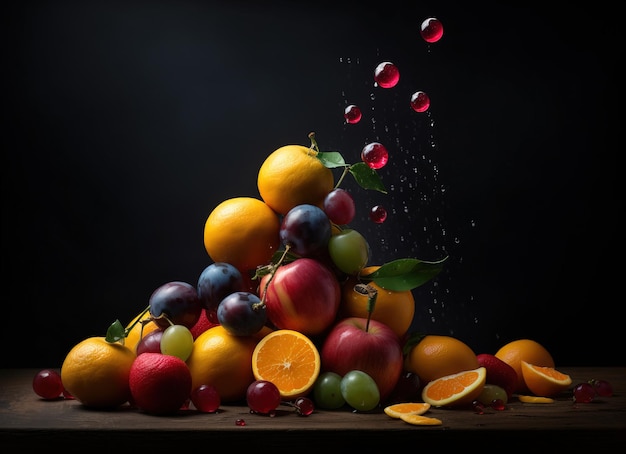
pixel 177 340
pixel 491 393
pixel 349 251
pixel 360 390
pixel 327 391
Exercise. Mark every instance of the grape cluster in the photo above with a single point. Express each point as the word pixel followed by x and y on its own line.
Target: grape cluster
pixel 586 392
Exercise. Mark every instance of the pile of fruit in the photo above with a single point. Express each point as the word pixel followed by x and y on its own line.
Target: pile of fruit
pixel 291 312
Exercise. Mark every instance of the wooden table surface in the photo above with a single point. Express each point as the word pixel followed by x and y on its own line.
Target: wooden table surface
pixel 26 421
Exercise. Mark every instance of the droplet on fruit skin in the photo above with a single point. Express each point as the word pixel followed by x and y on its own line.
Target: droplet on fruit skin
pixel 386 75
pixel 375 155
pixel 352 114
pixel 420 102
pixel 431 30
pixel 378 214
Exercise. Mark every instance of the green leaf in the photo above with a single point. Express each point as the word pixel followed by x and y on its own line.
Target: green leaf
pixel 412 341
pixel 331 159
pixel 367 177
pixel 405 274
pixel 116 332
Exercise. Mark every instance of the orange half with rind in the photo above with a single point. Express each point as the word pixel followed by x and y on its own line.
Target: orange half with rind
pixel 544 381
pixel 289 359
pixel 456 389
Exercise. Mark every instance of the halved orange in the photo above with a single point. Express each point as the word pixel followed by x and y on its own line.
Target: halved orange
pixel 455 389
pixel 406 408
pixel 289 359
pixel 544 381
pixel 420 420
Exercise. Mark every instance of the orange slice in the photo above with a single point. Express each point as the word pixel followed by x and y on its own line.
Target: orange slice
pixel 406 408
pixel 289 359
pixel 535 399
pixel 544 381
pixel 420 420
pixel 455 389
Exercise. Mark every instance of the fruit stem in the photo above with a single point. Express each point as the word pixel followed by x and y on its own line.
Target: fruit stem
pixel 372 294
pixel 314 145
pixel 137 320
pixel 271 273
pixel 343 175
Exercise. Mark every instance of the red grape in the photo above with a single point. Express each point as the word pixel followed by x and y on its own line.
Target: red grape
pixel 47 384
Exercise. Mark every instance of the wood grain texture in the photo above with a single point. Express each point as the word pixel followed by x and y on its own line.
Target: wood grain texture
pixel 26 421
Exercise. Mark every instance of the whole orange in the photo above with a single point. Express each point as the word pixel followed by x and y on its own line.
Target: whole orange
pixel 242 231
pixel 223 360
pixel 293 175
pixel 436 356
pixel 96 372
pixel 529 350
pixel 159 384
pixel 394 309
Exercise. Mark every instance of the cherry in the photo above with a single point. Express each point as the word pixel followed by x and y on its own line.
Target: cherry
pixel 352 114
pixel 47 384
pixel 431 30
pixel 206 398
pixel 420 102
pixel 386 75
pixel 584 393
pixel 263 397
pixel 378 214
pixel 375 155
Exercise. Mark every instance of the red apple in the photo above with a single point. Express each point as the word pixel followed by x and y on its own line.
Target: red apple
pixel 377 352
pixel 303 295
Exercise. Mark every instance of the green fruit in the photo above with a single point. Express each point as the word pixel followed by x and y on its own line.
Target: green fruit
pixel 349 251
pixel 490 393
pixel 327 391
pixel 360 390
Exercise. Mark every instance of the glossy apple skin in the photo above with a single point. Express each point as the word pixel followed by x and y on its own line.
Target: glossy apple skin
pixel 377 352
pixel 303 295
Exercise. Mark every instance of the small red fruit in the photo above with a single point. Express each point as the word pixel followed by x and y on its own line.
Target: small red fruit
pixel 201 325
pixel 498 372
pixel 159 383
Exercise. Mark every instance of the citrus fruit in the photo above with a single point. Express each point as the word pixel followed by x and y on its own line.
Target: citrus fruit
pixel 293 175
pixel 289 359
pixel 394 309
pixel 136 333
pixel 224 361
pixel 457 389
pixel 544 381
pixel 419 420
pixel 436 356
pixel 535 399
pixel 406 408
pixel 531 351
pixel 242 231
pixel 96 372
pixel 159 383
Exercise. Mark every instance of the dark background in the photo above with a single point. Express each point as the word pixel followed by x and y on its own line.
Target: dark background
pixel 125 123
